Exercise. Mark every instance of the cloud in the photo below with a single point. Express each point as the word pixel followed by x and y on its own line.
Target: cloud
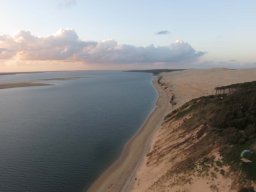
pixel 67 3
pixel 65 45
pixel 163 32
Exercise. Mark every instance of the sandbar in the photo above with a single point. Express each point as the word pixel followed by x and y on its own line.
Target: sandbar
pixel 21 84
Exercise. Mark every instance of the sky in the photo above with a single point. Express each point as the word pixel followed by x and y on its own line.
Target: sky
pixel 136 34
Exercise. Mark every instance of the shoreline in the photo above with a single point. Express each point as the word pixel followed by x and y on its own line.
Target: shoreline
pixel 22 84
pixel 172 149
pixel 120 175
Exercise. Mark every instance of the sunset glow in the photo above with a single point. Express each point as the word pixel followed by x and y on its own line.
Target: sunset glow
pixel 70 35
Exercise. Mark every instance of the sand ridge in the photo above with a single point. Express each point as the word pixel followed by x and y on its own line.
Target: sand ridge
pixel 185 85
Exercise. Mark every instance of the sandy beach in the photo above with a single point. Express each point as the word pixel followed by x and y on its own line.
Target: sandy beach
pixel 120 174
pixel 186 85
pixel 193 83
pixel 130 172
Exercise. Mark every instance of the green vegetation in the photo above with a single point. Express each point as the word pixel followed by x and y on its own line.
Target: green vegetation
pixel 235 121
pixel 228 118
pixel 250 189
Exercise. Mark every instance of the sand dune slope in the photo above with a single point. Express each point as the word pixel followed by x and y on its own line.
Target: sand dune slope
pixel 162 168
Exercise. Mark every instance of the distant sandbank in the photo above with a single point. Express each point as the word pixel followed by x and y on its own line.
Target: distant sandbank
pixel 36 83
pixel 21 84
pixel 62 78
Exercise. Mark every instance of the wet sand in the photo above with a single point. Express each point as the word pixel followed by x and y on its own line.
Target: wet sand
pixel 120 174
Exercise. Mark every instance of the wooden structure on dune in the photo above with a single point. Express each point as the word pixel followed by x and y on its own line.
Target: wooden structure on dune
pixel 226 90
pixel 230 89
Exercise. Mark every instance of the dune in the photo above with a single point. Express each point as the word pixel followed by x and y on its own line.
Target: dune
pixel 169 143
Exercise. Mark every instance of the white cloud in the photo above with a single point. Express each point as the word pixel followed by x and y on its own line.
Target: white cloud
pixel 65 45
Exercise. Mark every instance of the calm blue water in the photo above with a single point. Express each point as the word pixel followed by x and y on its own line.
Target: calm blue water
pixel 60 138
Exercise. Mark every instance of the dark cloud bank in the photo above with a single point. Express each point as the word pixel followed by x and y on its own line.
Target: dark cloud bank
pixel 66 45
pixel 163 32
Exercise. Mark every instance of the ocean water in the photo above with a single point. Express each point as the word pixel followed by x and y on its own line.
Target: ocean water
pixel 59 138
